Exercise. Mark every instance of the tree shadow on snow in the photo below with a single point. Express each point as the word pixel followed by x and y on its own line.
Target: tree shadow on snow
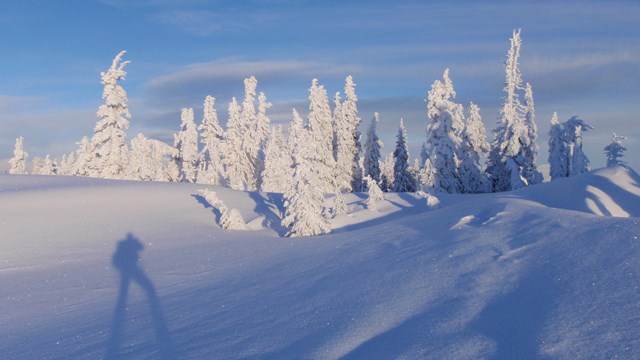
pixel 206 205
pixel 125 260
pixel 266 207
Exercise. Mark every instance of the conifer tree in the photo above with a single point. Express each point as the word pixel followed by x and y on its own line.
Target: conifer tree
pixel 37 166
pixel 579 163
pixel 386 183
pixel 321 138
pixel 304 199
pixel 509 162
pixel 263 132
pixel 474 147
pixel 444 135
pixel 236 164
pixel 249 134
pixel 109 139
pixel 346 120
pixel 49 166
pixel 19 159
pixel 402 179
pixel 374 193
pixel 558 153
pixel 529 152
pixel 615 151
pixel 86 158
pixel 276 175
pixel 211 136
pixel 186 143
pixel 372 151
pixel 143 164
pixel 339 204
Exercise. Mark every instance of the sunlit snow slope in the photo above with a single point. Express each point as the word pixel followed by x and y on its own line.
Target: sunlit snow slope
pixel 532 274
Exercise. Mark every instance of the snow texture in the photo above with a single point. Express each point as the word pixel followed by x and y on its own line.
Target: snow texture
pixel 94 268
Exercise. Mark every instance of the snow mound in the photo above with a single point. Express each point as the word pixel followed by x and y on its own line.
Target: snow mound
pixel 527 274
pixel 613 191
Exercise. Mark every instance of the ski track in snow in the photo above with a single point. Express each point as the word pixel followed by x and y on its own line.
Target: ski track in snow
pixel 534 273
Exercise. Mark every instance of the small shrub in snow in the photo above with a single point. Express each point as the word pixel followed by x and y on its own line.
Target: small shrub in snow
pixel 432 201
pixel 230 219
pixel 339 205
pixel 18 161
pixel 375 194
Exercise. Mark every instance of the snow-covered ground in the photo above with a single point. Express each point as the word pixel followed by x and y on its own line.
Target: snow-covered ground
pixel 551 271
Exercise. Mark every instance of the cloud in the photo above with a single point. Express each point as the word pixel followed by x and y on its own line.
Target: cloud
pixel 199 23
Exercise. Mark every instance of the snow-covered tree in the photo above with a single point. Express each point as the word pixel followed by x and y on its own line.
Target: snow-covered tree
pixel 230 219
pixel 386 181
pixel 615 151
pixel 263 133
pixel 512 150
pixel 558 152
pixel 49 166
pixel 372 151
pixel 579 163
pixel 444 135
pixel 320 140
pixel 249 133
pixel 339 204
pixel 304 199
pixel 67 165
pixel 85 160
pixel 142 163
pixel 402 179
pixel 186 143
pixel 276 175
pixel 19 159
pixel 37 166
pixel 211 135
pixel 474 147
pixel 349 174
pixel 109 139
pixel 374 193
pixel 237 167
pixel 529 152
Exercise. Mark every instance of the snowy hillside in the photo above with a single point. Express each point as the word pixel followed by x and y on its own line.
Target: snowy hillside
pixel 535 273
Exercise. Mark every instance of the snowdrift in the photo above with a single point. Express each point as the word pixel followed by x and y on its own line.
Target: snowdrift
pixel 535 273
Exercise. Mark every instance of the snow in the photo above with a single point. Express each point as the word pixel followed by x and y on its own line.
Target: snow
pixel 534 273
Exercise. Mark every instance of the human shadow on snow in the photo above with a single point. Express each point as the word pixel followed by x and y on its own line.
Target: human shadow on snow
pixel 125 260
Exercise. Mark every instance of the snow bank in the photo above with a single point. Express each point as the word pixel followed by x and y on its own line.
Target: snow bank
pixel 528 274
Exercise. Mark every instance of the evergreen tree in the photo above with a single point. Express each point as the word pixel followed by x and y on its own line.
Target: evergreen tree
pixel 615 151
pixel 19 159
pixel 529 152
pixel 374 193
pixel 109 139
pixel 263 132
pixel 558 152
pixel 444 135
pixel 249 134
pixel 211 136
pixel 304 199
pixel 402 179
pixel 474 147
pixel 509 162
pixel 142 164
pixel 347 140
pixel 48 166
pixel 579 163
pixel 186 143
pixel 321 138
pixel 37 166
pixel 86 158
pixel 276 175
pixel 339 204
pixel 386 183
pixel 372 151
pixel 236 164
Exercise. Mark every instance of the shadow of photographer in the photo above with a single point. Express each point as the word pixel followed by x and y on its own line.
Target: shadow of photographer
pixel 125 260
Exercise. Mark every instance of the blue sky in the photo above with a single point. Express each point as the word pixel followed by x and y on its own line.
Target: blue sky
pixel 581 57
